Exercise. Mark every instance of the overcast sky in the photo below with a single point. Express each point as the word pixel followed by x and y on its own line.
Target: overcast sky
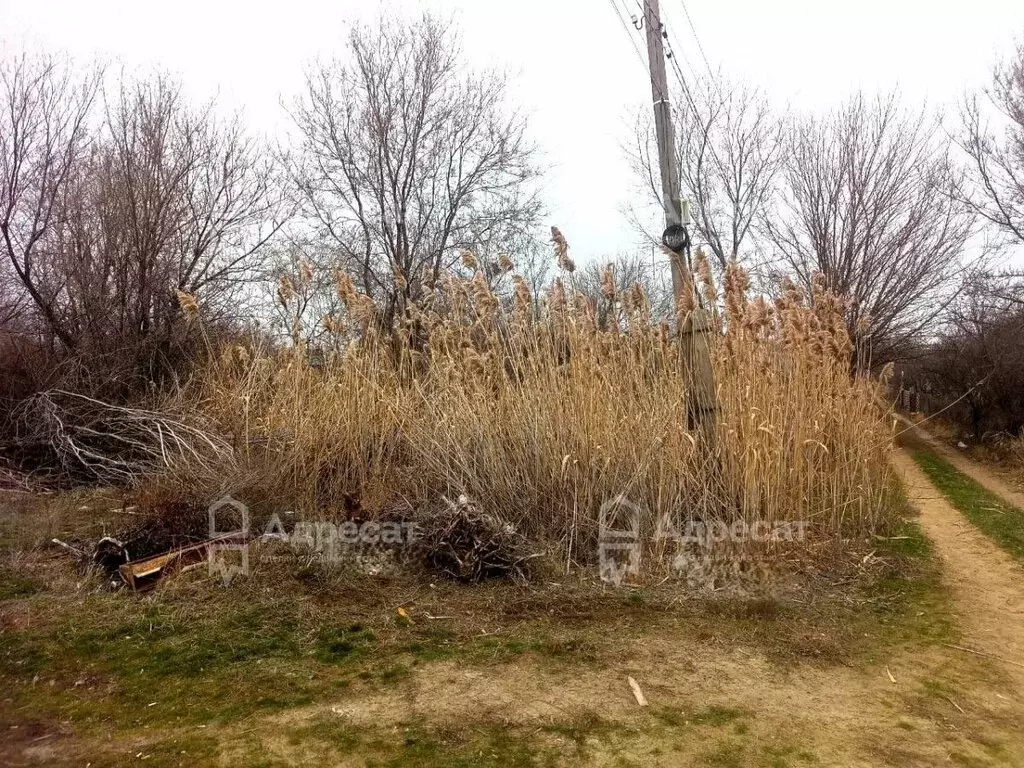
pixel 577 73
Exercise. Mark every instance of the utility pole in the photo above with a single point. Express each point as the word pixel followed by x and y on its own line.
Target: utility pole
pixel 695 329
pixel 665 132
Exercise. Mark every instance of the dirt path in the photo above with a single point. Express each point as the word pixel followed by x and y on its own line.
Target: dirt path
pixel 987 584
pixel 977 472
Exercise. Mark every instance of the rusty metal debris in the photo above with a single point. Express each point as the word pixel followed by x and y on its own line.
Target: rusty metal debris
pixel 143 574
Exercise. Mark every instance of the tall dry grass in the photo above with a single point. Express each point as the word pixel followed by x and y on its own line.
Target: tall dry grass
pixel 542 418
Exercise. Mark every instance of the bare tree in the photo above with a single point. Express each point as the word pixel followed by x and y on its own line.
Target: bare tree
pixel 12 300
pixel 44 133
pixel 114 210
pixel 994 187
pixel 865 201
pixel 974 368
pixel 405 158
pixel 535 264
pixel 303 293
pixel 1007 286
pixel 729 151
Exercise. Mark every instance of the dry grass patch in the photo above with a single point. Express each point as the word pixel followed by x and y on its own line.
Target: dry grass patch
pixel 540 418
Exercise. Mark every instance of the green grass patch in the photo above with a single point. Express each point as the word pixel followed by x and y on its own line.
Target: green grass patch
pixel 999 520
pixel 909 601
pixel 416 744
pixel 338 644
pixel 907 541
pixel 717 716
pixel 16 587
pixel 115 661
pixel 488 746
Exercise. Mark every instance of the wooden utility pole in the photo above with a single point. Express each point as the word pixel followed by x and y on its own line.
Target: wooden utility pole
pixel 665 133
pixel 695 328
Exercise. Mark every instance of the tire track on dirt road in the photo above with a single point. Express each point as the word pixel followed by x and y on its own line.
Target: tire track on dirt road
pixel 987 584
pixel 977 472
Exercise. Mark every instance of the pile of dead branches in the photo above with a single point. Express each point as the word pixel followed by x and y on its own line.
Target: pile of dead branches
pixel 79 438
pixel 469 545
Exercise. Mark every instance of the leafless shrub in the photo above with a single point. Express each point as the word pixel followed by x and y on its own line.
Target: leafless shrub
pixel 114 200
pixel 972 372
pixel 79 437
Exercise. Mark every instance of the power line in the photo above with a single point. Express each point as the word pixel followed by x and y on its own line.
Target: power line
pixel 675 52
pixel 626 26
pixel 696 37
pixel 674 49
pixel 682 82
pixel 711 72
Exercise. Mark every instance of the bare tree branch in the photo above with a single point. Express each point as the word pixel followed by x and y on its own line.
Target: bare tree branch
pixel 994 187
pixel 729 153
pixel 405 158
pixel 44 132
pixel 865 201
pixel 110 206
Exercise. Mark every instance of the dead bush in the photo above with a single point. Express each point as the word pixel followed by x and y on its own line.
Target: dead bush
pixel 467 544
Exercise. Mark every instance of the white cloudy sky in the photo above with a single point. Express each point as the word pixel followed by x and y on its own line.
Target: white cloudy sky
pixel 578 75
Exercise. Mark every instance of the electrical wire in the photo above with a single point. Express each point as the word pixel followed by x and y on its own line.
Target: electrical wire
pixel 711 72
pixel 626 26
pixel 673 60
pixel 674 50
pixel 677 70
pixel 696 37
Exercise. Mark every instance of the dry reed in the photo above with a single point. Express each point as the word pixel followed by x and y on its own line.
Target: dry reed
pixel 541 418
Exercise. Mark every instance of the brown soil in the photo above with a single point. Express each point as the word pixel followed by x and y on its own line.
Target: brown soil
pixel 980 473
pixel 839 716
